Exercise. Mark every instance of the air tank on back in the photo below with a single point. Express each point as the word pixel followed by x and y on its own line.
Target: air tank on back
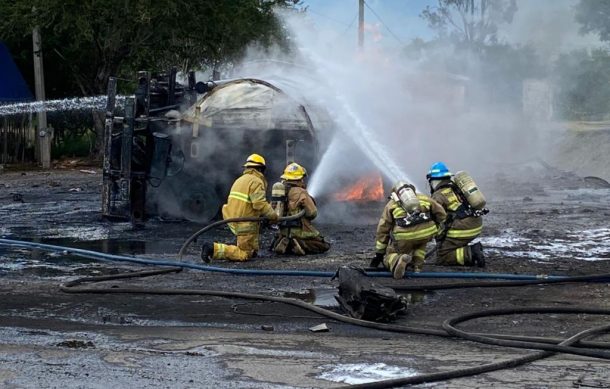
pixel 409 199
pixel 278 198
pixel 469 188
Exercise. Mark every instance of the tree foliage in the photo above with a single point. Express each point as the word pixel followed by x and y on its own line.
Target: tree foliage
pixel 583 80
pixel 88 40
pixel 467 44
pixel 594 17
pixel 469 21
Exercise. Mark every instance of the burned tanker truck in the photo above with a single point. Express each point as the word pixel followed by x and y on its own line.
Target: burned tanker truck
pixel 173 150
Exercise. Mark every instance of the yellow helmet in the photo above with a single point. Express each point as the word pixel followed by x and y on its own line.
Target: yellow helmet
pixel 294 172
pixel 255 160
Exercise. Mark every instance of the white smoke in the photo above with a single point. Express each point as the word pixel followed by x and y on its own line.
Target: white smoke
pixel 399 114
pixel 549 26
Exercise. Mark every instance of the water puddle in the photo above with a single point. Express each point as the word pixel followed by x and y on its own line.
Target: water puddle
pixel 586 245
pixel 52 264
pixel 361 373
pixel 108 246
pixel 320 297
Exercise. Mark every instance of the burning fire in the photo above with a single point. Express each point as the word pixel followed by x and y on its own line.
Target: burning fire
pixel 367 188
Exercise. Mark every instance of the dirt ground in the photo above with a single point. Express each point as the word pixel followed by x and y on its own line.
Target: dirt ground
pixel 542 221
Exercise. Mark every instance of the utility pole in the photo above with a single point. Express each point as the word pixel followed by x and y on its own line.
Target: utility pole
pixel 44 136
pixel 361 24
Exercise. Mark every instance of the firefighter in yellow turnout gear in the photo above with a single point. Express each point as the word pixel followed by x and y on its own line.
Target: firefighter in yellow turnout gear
pixel 298 237
pixel 408 222
pixel 463 223
pixel 247 198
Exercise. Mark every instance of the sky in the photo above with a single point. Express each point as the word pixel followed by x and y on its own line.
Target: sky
pixel 546 24
pixel 394 21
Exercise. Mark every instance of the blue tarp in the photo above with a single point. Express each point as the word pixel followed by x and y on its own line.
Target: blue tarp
pixel 13 87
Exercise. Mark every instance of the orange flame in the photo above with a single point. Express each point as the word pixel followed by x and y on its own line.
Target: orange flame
pixel 367 188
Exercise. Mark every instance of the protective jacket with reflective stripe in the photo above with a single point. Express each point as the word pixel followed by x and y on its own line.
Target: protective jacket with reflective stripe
pixel 299 199
pixel 387 227
pixel 465 228
pixel 247 198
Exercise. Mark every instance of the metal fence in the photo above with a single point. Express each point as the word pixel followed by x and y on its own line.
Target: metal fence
pixel 17 139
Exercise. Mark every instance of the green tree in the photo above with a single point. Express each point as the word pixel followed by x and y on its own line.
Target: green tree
pixel 583 85
pixel 467 44
pixel 86 41
pixel 472 22
pixel 594 16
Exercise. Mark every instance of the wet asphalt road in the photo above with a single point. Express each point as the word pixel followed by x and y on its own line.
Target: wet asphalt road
pixel 52 339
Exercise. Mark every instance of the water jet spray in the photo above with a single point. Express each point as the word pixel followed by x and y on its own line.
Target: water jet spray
pixel 69 104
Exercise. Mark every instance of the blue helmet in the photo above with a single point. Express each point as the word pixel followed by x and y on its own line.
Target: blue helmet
pixel 438 171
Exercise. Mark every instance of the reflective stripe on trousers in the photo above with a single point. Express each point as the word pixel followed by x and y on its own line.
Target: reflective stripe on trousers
pixel 459 255
pixel 419 253
pixel 379 246
pixel 464 233
pixel 241 228
pixel 247 245
pixel 419 234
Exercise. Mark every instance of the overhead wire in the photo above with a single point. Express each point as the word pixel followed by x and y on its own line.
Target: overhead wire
pixel 349 26
pixel 383 23
pixel 327 17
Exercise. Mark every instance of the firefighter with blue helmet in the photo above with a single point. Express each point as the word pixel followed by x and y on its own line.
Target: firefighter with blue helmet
pixel 247 198
pixel 438 171
pixel 462 226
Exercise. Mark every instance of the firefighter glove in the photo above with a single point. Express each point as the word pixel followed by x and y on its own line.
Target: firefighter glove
pixel 273 218
pixel 375 262
pixel 441 227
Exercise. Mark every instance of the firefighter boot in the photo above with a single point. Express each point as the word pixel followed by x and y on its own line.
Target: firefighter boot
pixel 476 252
pixel 401 265
pixel 281 245
pixel 207 252
pixel 296 248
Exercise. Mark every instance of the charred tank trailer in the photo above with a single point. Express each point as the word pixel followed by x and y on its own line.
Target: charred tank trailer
pixel 135 154
pixel 177 148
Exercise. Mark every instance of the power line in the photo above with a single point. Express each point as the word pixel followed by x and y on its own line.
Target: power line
pixel 329 18
pixel 382 22
pixel 350 25
pixel 337 21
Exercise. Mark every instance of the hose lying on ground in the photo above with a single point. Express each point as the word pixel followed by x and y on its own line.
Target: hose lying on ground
pixel 471 371
pixel 496 284
pixel 449 326
pixel 263 272
pixel 529 279
pixel 232 220
pixel 508 341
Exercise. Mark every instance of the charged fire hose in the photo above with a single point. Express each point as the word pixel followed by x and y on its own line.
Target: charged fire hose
pixel 505 340
pixel 90 254
pixel 70 288
pixel 497 284
pixel 232 220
